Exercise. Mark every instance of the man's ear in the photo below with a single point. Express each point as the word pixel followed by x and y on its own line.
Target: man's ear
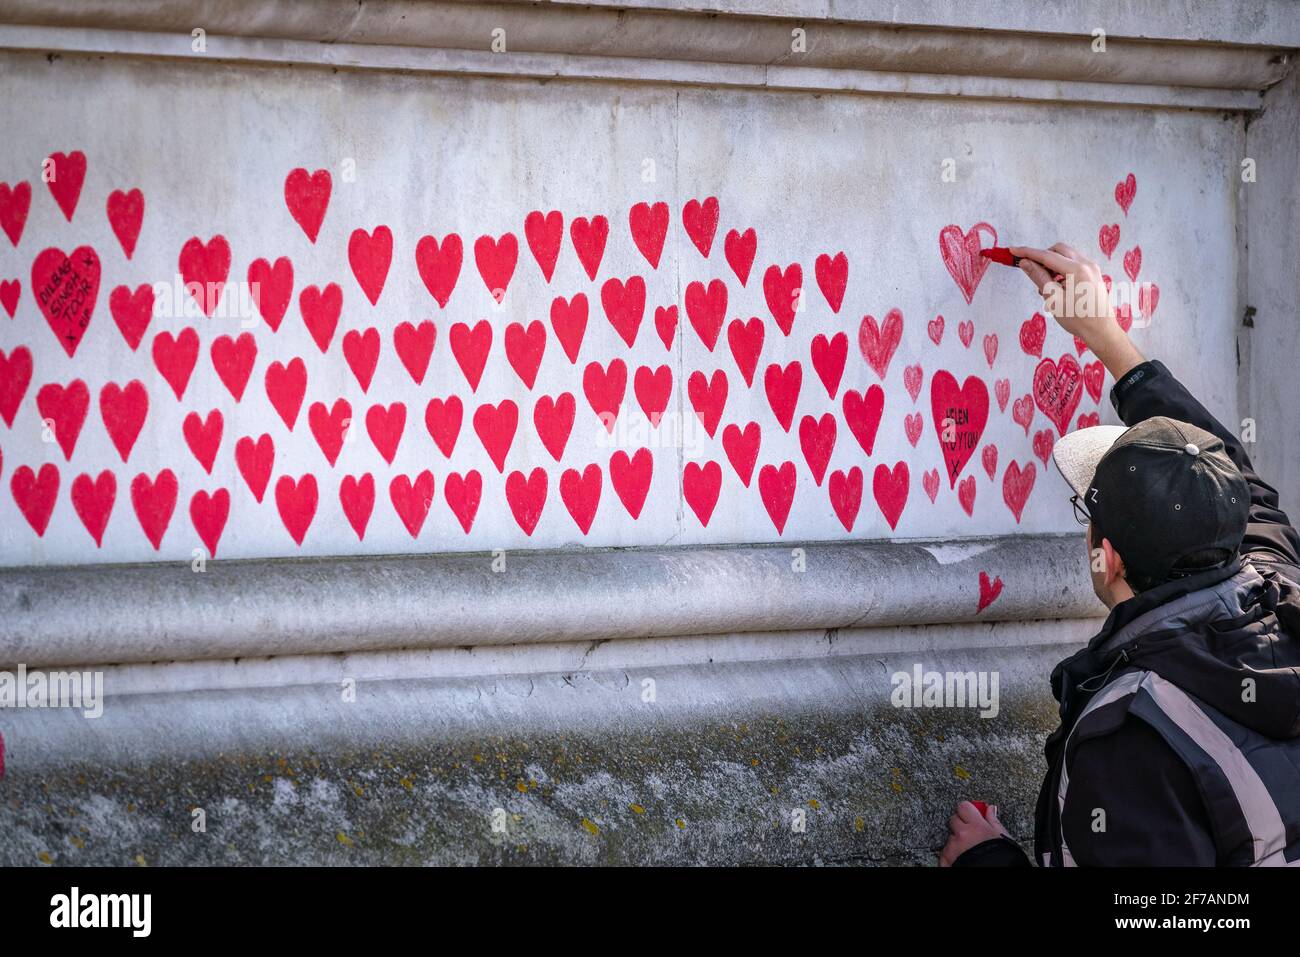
pixel 1114 569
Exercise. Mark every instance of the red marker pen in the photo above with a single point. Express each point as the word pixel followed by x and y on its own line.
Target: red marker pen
pixel 1000 254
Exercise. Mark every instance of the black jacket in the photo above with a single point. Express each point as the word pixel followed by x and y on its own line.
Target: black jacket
pixel 1248 630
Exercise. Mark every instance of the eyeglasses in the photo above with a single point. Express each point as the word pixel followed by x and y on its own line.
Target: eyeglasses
pixel 1080 513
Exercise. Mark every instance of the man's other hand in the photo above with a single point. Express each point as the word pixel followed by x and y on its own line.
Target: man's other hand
pixel 966 828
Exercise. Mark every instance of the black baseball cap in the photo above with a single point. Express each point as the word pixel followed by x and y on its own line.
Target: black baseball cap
pixel 1164 492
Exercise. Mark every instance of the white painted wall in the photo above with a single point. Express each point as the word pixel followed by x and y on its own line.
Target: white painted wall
pixel 210 149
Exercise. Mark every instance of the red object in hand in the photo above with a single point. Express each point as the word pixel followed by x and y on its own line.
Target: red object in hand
pixel 1000 254
pixel 982 807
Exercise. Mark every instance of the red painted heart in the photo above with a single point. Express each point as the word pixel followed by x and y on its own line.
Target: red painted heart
pixel 369 255
pixel 14 205
pixel 553 419
pixel 495 426
pixel 385 424
pixel 1125 190
pixel 255 461
pixel 175 358
pixel 361 351
pixel 631 478
pixel 828 358
pixel 862 414
pixel 204 268
pixel 357 496
pixel 65 288
pixel 63 411
pixel 890 488
pixel 524 349
pixel 496 259
pixel 783 289
pixel 961 254
pixel 742 447
pixel 959 415
pixel 832 278
pixel 208 515
pixel 706 308
pixel 233 361
pixel 624 305
pixel 471 347
pixel 65 175
pixel 285 387
pixel 569 320
pixel 740 249
pixel 443 418
pixel 15 374
pixel 330 425
pixel 701 485
pixel 308 197
pixel 527 498
pixel 649 225
pixel 544 233
pixel 708 397
pixel 746 341
pixel 412 500
pixel 604 387
pixel 1058 387
pixel 580 492
pixel 125 216
pixel 878 342
pixel 203 436
pixel 271 289
pixel 817 439
pixel 439 265
pixel 846 496
pixel 777 487
pixel 1017 483
pixel 154 501
pixel 296 501
pixel 35 494
pixel 320 312
pixel 782 387
pixel 701 223
pixel 414 347
pixel 589 238
pixel 93 501
pixel 124 411
pixel 463 496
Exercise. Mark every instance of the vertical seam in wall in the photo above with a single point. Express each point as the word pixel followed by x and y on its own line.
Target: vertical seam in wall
pixel 1241 334
pixel 681 319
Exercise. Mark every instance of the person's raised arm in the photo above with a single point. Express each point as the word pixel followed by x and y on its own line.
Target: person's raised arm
pixel 1081 304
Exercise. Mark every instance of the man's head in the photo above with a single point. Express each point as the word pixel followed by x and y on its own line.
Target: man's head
pixel 1163 500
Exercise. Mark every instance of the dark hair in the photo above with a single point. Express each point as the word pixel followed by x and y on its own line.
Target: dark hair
pixel 1190 564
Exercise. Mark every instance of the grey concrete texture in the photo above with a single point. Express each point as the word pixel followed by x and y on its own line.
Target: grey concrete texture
pixel 561 768
pixel 133 613
pixel 1270 332
pixel 839 36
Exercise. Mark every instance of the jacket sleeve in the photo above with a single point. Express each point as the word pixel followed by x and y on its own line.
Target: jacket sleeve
pixel 995 852
pixel 1149 390
pixel 1132 802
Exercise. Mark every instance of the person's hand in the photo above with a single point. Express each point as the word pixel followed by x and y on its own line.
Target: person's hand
pixel 1079 301
pixel 967 827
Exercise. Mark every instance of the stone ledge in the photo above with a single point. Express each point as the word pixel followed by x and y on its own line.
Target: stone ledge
pixel 135 613
pixel 680 43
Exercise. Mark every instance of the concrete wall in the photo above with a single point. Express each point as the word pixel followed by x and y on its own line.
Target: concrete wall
pixel 503 669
